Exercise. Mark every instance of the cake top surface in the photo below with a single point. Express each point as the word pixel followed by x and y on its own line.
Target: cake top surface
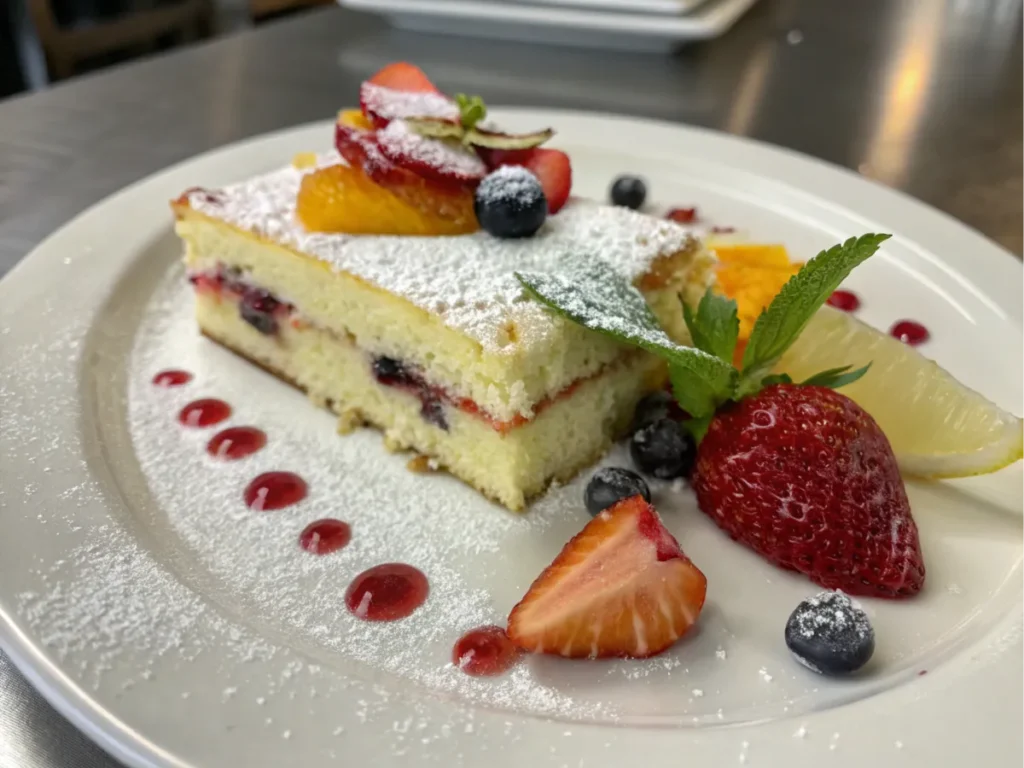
pixel 467 280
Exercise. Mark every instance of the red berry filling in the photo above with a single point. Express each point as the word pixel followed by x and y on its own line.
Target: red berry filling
pixel 261 309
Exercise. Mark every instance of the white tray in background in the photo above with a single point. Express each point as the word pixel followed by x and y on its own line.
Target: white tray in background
pixel 663 7
pixel 559 25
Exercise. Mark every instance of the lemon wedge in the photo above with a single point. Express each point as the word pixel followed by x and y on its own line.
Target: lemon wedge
pixel 937 427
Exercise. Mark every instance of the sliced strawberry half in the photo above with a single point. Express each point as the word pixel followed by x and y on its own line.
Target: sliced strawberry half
pixel 621 587
pixel 403 90
pixel 362 149
pixel 431 158
pixel 551 166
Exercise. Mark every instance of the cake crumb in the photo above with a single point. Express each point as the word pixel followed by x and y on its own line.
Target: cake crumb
pixel 304 160
pixel 349 420
pixel 422 463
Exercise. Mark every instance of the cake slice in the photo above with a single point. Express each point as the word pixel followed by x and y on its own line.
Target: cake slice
pixel 432 339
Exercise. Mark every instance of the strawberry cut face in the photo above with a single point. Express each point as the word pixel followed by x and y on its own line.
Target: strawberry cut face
pixel 622 587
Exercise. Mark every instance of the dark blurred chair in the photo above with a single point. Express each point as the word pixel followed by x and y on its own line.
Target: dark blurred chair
pixel 265 9
pixel 12 79
pixel 67 47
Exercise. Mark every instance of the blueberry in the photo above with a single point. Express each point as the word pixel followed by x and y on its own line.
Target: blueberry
pixel 629 192
pixel 612 484
pixel 257 308
pixel 389 371
pixel 432 411
pixel 510 203
pixel 663 449
pixel 654 407
pixel 830 634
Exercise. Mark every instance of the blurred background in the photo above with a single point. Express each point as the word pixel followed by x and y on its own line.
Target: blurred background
pixel 43 41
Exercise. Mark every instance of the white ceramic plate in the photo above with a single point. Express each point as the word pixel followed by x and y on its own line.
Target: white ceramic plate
pixel 179 629
pixel 568 25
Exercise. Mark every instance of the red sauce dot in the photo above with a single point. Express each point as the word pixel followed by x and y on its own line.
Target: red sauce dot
pixel 172 378
pixel 844 300
pixel 387 592
pixel 325 536
pixel 236 443
pixel 204 413
pixel 682 215
pixel 910 332
pixel 274 490
pixel 484 652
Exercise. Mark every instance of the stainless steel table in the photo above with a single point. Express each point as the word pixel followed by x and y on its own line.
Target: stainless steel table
pixel 922 95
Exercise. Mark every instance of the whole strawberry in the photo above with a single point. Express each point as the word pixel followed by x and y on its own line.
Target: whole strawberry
pixel 799 473
pixel 805 477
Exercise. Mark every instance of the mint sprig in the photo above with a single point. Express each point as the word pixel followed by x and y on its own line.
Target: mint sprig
pixel 703 377
pixel 794 306
pixel 715 327
pixel 471 110
pixel 834 378
pixel 599 299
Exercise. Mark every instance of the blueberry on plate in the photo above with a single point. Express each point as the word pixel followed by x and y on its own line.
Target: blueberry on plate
pixel 664 449
pixel 830 634
pixel 610 485
pixel 629 192
pixel 510 203
pixel 654 407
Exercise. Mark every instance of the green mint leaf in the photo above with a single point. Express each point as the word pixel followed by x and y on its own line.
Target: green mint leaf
pixel 775 378
pixel 471 109
pixel 599 299
pixel 834 378
pixel 698 427
pixel 700 388
pixel 779 325
pixel 716 326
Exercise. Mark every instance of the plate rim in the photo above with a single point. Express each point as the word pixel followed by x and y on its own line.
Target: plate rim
pixel 115 736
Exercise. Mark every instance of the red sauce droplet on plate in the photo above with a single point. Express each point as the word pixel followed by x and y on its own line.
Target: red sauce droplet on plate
pixel 236 443
pixel 204 413
pixel 910 332
pixel 844 300
pixel 172 378
pixel 325 536
pixel 484 652
pixel 274 490
pixel 387 592
pixel 682 215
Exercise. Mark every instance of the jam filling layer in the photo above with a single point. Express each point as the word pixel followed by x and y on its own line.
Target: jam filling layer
pixel 266 313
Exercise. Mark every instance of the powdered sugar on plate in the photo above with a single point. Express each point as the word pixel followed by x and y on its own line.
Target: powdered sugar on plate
pixel 478 557
pixel 468 280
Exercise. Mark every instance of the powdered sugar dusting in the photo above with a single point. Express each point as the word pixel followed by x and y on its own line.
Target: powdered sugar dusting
pixel 402 145
pixel 509 183
pixel 830 614
pixel 468 280
pixel 390 104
